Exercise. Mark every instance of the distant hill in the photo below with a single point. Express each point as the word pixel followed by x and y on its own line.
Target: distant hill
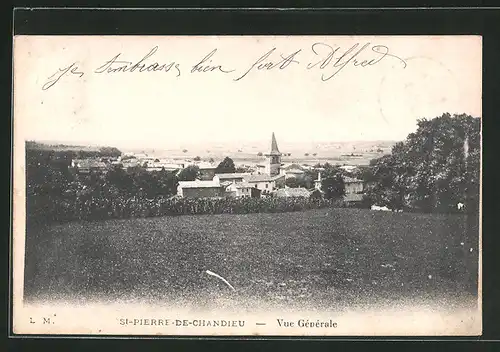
pixel 77 149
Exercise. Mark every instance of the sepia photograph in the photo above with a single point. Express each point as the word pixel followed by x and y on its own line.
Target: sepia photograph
pixel 247 185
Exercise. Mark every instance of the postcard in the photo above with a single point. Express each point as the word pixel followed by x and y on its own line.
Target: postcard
pixel 247 185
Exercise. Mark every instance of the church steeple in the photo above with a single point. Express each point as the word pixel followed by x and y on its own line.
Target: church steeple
pixel 274 158
pixel 274 146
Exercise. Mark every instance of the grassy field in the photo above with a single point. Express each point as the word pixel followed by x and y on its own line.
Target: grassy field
pixel 319 258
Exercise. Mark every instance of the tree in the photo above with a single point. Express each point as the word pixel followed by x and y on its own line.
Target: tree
pixel 259 154
pixel 292 182
pixel 435 168
pixel 110 151
pixel 117 177
pixel 197 158
pixel 167 182
pixel 226 166
pixel 332 182
pixel 189 173
pixel 306 154
pixel 241 169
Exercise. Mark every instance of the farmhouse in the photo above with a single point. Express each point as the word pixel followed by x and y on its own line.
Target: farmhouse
pixel 200 189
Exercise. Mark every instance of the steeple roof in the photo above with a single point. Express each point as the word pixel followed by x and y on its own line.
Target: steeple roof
pixel 274 147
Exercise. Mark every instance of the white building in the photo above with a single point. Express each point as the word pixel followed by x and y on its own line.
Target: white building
pixel 266 183
pixel 239 189
pixel 200 189
pixel 353 185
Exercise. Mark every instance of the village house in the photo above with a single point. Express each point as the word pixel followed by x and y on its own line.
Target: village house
pixel 133 162
pixel 241 190
pixel 348 168
pixel 200 189
pixel 293 171
pixel 88 166
pixel 266 183
pixel 353 190
pixel 158 165
pixel 207 171
pixel 353 185
pixel 260 169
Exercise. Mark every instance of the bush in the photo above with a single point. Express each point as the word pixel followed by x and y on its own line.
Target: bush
pixel 47 210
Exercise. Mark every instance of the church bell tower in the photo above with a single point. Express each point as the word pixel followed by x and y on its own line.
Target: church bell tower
pixel 273 165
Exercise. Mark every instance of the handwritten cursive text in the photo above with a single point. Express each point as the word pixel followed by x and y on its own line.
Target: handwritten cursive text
pixel 71 69
pixel 351 56
pixel 114 65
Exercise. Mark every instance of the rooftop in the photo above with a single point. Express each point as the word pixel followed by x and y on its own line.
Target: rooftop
pixel 231 175
pixel 293 167
pixel 199 184
pixel 294 171
pixel 262 178
pixel 204 166
pixel 243 185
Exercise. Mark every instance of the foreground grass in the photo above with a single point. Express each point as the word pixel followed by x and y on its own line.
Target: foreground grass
pixel 319 257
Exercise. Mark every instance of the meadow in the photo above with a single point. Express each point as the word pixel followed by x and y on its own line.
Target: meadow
pixel 316 258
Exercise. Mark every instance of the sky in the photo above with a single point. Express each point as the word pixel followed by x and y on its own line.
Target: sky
pixel 426 77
